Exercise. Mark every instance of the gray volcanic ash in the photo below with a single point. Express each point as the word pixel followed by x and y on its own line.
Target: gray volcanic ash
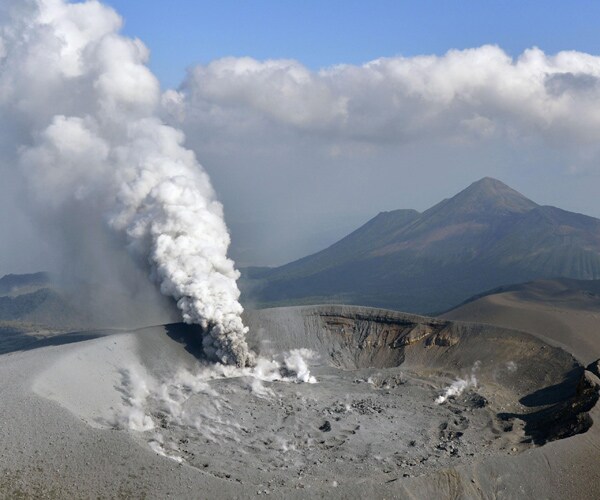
pixel 369 426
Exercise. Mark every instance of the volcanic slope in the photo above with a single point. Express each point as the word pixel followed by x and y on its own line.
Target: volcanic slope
pixel 563 312
pixel 486 236
pixel 138 414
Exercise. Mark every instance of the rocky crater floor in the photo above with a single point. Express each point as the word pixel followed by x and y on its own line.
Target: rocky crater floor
pixel 345 401
pixel 395 396
pixel 364 423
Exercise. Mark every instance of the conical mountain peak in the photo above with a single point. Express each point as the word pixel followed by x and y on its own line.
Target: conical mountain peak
pixel 485 236
pixel 488 195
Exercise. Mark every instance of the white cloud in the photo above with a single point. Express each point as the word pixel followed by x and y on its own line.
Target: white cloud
pixel 282 90
pixel 409 98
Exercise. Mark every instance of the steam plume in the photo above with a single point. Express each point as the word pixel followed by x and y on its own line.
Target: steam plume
pixel 82 106
pixel 459 385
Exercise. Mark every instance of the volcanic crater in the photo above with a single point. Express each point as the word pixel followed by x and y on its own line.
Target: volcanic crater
pixel 397 395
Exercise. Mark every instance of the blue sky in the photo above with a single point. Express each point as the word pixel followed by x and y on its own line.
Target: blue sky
pixel 181 33
pixel 300 158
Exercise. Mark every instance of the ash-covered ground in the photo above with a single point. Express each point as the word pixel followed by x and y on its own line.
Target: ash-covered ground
pixel 346 402
pixel 351 424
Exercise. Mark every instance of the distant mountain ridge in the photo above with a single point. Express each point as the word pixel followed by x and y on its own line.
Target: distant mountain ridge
pixel 11 283
pixel 486 236
pixel 42 301
pixel 43 307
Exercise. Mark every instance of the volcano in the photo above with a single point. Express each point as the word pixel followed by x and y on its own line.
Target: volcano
pixel 486 236
pixel 401 406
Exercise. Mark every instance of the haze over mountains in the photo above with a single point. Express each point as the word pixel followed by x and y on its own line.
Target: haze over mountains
pixel 486 236
pixel 43 300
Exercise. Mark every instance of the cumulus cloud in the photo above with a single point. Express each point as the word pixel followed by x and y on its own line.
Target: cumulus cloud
pixel 401 98
pixel 282 90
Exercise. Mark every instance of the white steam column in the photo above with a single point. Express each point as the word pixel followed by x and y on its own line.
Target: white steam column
pixel 88 106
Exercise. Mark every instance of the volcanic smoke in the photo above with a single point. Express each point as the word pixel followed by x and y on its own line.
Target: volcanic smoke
pixel 85 111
